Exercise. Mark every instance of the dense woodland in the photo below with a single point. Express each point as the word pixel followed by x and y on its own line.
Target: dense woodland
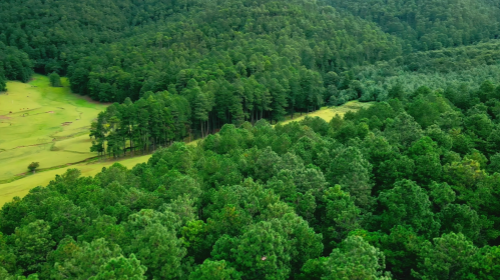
pixel 406 189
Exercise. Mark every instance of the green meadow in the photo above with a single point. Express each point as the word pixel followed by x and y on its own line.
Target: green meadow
pixel 327 113
pixel 44 124
pixel 22 186
pixel 50 125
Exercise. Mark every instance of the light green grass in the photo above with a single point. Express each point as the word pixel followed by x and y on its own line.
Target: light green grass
pixel 15 162
pixel 40 136
pixel 78 144
pixel 22 186
pixel 327 113
pixel 31 118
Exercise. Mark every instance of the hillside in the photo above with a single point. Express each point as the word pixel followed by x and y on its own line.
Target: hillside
pixel 44 124
pixel 430 24
pixel 402 183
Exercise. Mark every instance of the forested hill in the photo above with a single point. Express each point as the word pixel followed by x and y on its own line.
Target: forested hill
pixel 430 24
pixel 229 61
pixel 407 188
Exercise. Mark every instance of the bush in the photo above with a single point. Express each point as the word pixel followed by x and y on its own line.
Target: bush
pixel 33 166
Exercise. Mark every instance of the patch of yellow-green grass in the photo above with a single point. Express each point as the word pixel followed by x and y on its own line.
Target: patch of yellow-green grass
pixel 22 186
pixel 71 150
pixel 44 124
pixel 16 161
pixel 327 113
pixel 37 113
pixel 194 143
pixel 78 144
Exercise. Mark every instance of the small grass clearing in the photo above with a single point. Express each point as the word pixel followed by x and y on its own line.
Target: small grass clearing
pixel 22 186
pixel 327 113
pixel 31 126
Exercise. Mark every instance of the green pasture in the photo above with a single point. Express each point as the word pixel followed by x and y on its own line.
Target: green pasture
pixel 22 186
pixel 327 113
pixel 45 124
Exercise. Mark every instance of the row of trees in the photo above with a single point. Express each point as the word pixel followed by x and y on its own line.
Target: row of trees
pixel 151 122
pixel 200 118
pixel 405 189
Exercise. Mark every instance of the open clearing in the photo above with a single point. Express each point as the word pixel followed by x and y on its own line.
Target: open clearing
pixel 74 149
pixel 45 124
pixel 327 113
pixel 22 186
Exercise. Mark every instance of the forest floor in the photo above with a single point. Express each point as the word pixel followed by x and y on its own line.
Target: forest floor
pixel 50 125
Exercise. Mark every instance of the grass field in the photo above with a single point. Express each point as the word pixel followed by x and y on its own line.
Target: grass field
pixel 67 149
pixel 22 186
pixel 45 124
pixel 327 113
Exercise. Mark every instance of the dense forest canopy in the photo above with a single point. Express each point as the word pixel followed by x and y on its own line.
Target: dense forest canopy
pixel 430 24
pixel 405 189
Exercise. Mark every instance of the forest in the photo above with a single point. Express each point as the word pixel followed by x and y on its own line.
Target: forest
pixel 407 188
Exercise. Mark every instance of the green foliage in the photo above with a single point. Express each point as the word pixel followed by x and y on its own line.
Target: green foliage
pixel 33 166
pixel 430 25
pixel 356 259
pixel 31 244
pixel 15 64
pixel 85 260
pixel 407 204
pixel 487 262
pixel 214 270
pixel 159 250
pixel 448 257
pixel 363 196
pixel 122 268
pixel 55 80
pixel 3 82
pixel 260 253
pixel 350 170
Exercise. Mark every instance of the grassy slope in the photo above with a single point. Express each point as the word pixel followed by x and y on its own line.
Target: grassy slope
pixel 327 113
pixel 22 186
pixel 31 118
